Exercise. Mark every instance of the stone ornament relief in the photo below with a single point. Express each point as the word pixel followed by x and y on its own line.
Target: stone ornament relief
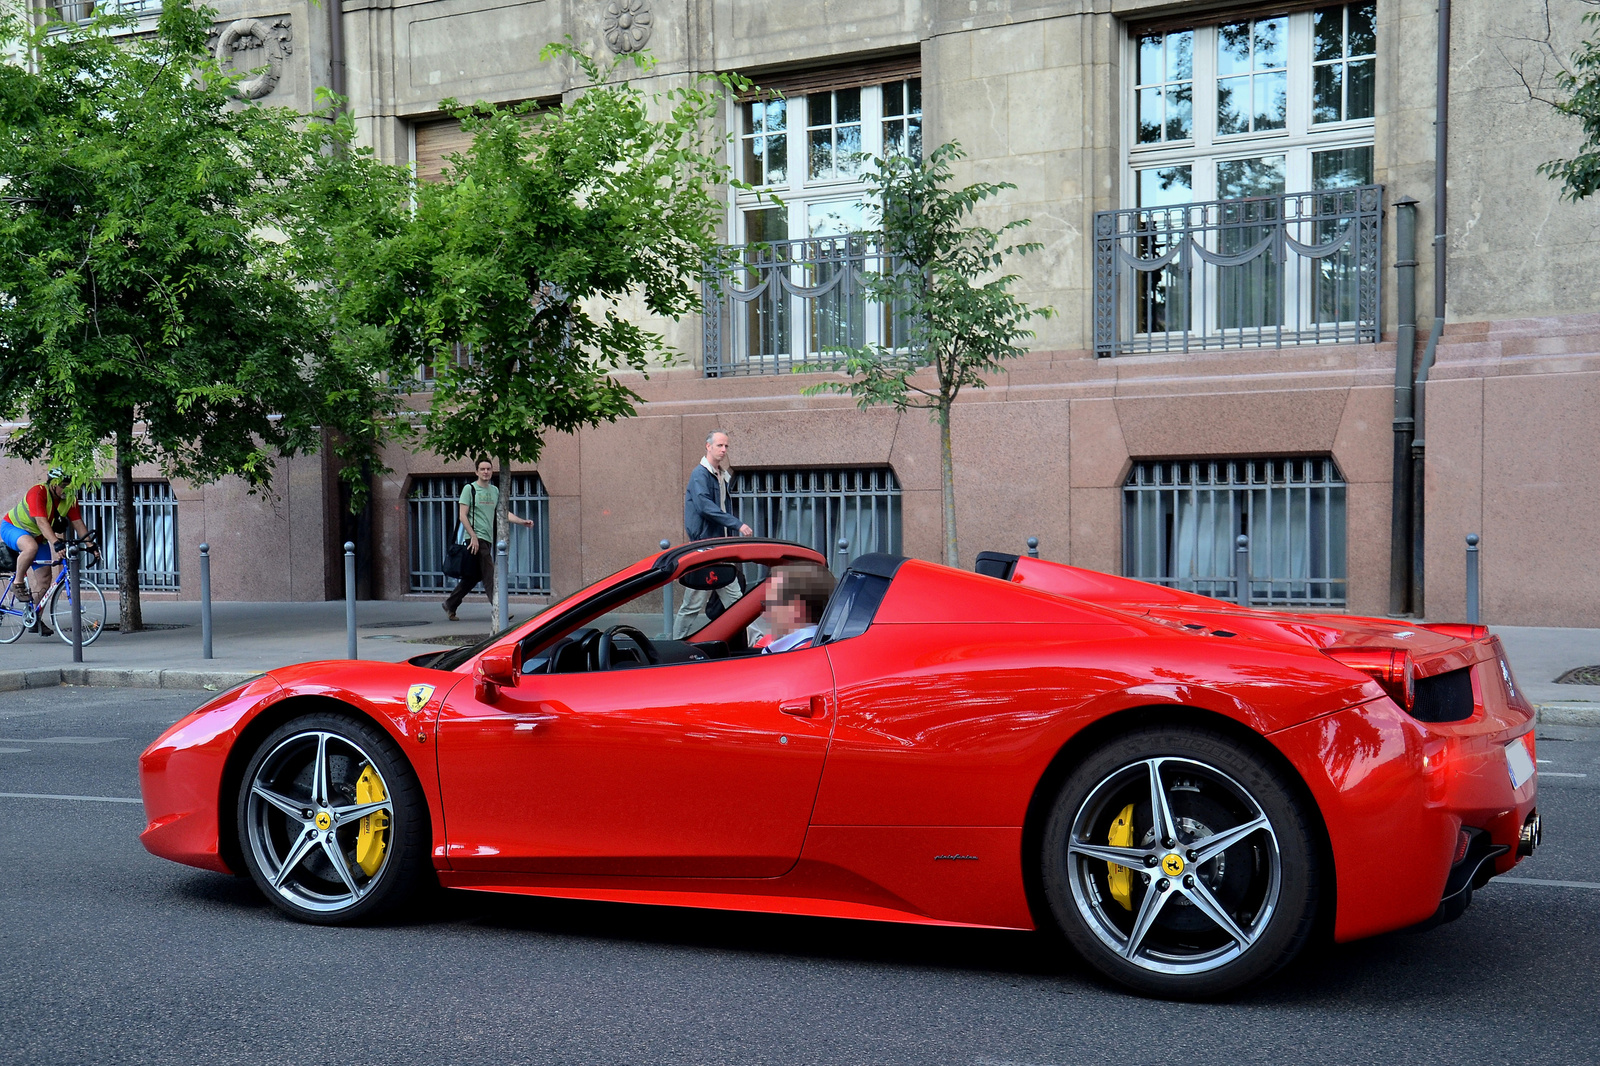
pixel 626 25
pixel 249 44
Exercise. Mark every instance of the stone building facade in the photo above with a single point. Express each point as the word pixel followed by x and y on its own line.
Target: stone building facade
pixel 1216 188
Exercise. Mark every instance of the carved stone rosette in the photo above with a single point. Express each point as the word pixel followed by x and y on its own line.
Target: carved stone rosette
pixel 626 25
pixel 261 45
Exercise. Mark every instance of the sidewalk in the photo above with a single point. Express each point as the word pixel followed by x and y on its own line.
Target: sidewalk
pixel 249 638
pixel 246 639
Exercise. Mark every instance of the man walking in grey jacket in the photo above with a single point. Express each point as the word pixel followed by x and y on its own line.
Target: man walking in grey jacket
pixel 705 516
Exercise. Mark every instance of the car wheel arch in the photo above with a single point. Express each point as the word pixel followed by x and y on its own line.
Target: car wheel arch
pixel 1103 731
pixel 256 730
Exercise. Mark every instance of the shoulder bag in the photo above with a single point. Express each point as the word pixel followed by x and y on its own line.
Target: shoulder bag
pixel 459 562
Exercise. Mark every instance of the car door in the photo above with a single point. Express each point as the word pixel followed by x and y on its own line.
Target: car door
pixel 701 769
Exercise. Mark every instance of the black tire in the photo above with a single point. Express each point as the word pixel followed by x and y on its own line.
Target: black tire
pixel 1186 921
pixel 282 822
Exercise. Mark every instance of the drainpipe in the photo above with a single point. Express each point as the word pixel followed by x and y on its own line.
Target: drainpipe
pixel 1419 447
pixel 336 48
pixel 1405 354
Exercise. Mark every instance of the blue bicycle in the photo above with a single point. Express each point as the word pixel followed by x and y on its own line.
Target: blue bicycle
pixel 17 617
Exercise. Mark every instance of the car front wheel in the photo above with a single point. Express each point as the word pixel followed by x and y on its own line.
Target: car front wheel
pixel 332 821
pixel 1178 863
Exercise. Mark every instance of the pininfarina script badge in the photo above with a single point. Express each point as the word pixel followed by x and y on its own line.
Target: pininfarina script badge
pixel 418 698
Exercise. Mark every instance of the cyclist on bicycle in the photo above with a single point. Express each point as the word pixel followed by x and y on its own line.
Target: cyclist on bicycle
pixel 35 526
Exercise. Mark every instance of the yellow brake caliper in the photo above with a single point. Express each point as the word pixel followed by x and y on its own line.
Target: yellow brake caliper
pixel 373 836
pixel 1120 878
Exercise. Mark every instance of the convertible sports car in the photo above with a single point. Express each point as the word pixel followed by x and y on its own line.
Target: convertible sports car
pixel 1188 791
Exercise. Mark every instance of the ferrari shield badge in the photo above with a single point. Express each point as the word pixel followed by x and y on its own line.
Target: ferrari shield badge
pixel 418 698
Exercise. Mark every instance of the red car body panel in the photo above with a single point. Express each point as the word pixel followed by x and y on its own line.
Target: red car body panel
pixel 890 775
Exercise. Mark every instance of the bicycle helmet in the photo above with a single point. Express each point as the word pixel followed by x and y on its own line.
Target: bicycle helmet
pixel 56 474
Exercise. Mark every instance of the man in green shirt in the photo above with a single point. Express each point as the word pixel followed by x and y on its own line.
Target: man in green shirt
pixel 475 512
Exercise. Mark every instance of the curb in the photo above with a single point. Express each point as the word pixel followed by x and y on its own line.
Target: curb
pixel 1569 712
pixel 114 677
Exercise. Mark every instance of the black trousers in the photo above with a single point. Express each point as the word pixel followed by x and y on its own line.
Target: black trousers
pixel 485 574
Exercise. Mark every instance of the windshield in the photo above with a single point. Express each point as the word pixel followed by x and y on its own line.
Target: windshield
pixel 454 657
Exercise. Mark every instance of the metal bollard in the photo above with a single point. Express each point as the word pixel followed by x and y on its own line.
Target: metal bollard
pixel 844 553
pixel 1241 569
pixel 666 600
pixel 75 569
pixel 205 601
pixel 1033 547
pixel 502 584
pixel 350 599
pixel 1472 579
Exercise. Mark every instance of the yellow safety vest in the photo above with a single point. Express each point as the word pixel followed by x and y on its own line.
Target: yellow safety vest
pixel 24 521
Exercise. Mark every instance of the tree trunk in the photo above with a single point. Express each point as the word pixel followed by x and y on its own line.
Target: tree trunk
pixel 129 552
pixel 502 531
pixel 948 476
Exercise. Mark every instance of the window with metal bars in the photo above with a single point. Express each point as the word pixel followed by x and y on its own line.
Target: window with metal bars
pixel 819 508
pixel 431 514
pixel 1181 519
pixel 155 517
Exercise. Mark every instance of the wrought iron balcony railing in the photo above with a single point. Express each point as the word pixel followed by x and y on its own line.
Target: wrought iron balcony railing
pixel 83 10
pixel 775 306
pixel 1296 268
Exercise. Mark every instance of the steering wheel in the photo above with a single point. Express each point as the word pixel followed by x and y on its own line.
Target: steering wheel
pixel 608 645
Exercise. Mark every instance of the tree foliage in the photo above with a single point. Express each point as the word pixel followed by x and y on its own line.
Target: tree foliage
pixel 151 307
pixel 513 277
pixel 955 318
pixel 1580 82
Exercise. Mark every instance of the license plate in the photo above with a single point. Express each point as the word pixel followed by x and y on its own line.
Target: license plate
pixel 1519 763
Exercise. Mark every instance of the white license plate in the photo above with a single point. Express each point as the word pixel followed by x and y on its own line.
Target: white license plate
pixel 1518 763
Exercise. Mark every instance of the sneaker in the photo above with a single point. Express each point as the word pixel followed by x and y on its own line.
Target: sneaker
pixel 449 614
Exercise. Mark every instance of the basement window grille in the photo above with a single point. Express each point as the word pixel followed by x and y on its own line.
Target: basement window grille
pixel 432 523
pixel 1181 519
pixel 819 508
pixel 155 517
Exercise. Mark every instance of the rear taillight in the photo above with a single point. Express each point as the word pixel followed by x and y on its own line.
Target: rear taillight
pixel 1392 668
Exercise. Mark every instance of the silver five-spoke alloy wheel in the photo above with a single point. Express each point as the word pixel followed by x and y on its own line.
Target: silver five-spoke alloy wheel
pixel 1173 916
pixel 1178 862
pixel 326 815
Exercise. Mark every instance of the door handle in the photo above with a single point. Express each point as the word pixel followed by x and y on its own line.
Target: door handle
pixel 528 721
pixel 815 707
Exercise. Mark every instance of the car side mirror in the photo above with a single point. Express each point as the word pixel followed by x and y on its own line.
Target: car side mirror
pixel 497 668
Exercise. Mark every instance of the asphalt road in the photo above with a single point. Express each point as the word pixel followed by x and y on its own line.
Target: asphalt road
pixel 108 955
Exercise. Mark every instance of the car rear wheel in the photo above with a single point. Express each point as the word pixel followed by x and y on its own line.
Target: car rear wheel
pixel 1178 863
pixel 332 821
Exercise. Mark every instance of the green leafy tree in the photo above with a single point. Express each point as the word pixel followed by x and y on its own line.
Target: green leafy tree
pixel 515 276
pixel 1580 81
pixel 152 306
pixel 954 316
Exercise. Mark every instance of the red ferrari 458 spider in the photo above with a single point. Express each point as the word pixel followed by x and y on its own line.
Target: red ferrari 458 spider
pixel 1188 791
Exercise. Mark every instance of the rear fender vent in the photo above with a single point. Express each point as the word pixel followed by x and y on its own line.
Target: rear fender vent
pixel 1444 697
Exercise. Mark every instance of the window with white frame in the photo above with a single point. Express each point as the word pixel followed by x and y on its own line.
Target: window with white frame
pixel 798 296
pixel 801 149
pixel 1253 107
pixel 1249 219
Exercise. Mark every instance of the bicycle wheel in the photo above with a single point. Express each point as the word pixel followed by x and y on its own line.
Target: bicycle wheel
pixel 94 611
pixel 13 616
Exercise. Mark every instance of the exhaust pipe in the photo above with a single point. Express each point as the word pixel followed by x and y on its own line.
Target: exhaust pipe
pixel 1532 835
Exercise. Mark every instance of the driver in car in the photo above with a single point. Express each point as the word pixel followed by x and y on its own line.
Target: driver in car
pixel 793 606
